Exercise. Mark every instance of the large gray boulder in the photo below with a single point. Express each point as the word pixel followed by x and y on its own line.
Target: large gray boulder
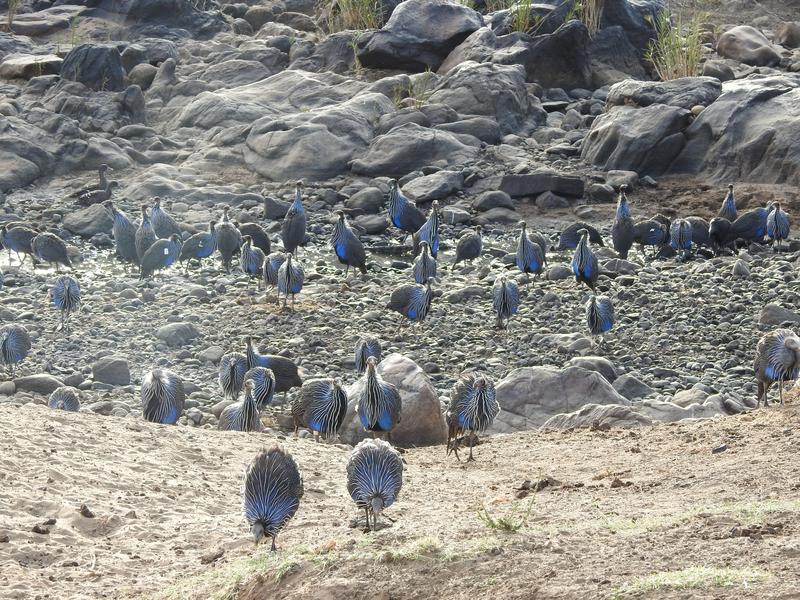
pixel 491 90
pixel 560 59
pixel 748 45
pixel 421 420
pixel 418 35
pixel 683 93
pixel 775 314
pixel 112 370
pixel 88 221
pixel 97 66
pixel 531 395
pixel 25 66
pixel 177 334
pixel 410 147
pixel 599 415
pixel 42 383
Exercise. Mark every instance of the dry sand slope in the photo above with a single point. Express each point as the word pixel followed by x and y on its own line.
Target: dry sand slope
pixel 162 515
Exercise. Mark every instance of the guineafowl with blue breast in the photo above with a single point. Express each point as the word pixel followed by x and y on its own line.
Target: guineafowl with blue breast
pixel 473 408
pixel 163 223
pixel 64 398
pixel 285 371
pixel 199 246
pixel 17 239
pixel 145 235
pixel 650 233
pixel 273 488
pixel 374 478
pixel 272 265
pixel 15 343
pixel 124 233
pixel 623 232
pixel 429 232
pixel 163 396
pixel 777 225
pixel 379 404
pixel 66 295
pixel 367 346
pixel 505 300
pixel 599 315
pixel 469 246
pixel 570 237
pixel 263 385
pixel 424 267
pixel 728 208
pixel 751 226
pixel 231 372
pixel 530 255
pixel 228 239
pixel 403 213
pixel 777 359
pixel 680 237
pixel 348 248
pixel 413 301
pixel 51 249
pixel 291 276
pixel 242 415
pixel 584 261
pixel 320 406
pixel 293 228
pixel 161 255
pixel 251 259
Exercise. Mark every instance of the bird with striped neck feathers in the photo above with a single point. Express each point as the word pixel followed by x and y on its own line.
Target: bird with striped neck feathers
pixel 374 478
pixel 728 208
pixel 505 300
pixel 348 248
pixel 379 404
pixel 242 415
pixel 777 359
pixel 272 264
pixel 413 301
pixel 403 213
pixel 366 346
pixel 163 396
pixel 64 398
pixel 163 223
pixel 429 232
pixel 623 232
pixel 263 385
pixel 530 255
pixel 584 261
pixel 777 225
pixel 66 295
pixel 285 371
pixel 251 259
pixel 199 246
pixel 424 265
pixel 320 406
pixel 293 228
pixel 232 369
pixel 145 235
pixel 15 343
pixel 680 237
pixel 599 315
pixel 473 408
pixel 291 276
pixel 123 232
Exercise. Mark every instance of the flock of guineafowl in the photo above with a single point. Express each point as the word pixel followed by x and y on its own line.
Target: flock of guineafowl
pixel 273 485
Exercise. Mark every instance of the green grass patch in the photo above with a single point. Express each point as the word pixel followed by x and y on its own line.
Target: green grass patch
pixel 691 578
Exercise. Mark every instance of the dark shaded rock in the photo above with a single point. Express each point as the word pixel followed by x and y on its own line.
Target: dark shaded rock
pixel 335 53
pixel 485 129
pixel 112 370
pixel 549 200
pixel 613 57
pixel 560 59
pixel 533 184
pixel 774 314
pixel 631 387
pixel 89 221
pixel 435 186
pixel 494 199
pixel 369 200
pixel 97 66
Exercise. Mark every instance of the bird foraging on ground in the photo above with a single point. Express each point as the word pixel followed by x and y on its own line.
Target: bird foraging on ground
pixel 161 255
pixel 17 239
pixel 469 246
pixel 570 236
pixel 374 478
pixel 367 346
pixel 751 226
pixel 505 300
pixel 15 343
pixel 290 279
pixel 530 255
pixel 623 232
pixel 272 264
pixel 403 213
pixel 273 488
pixel 242 415
pixel 232 369
pixel 320 406
pixel 163 396
pixel 199 246
pixel 66 295
pixel 473 407
pixel 599 315
pixel 263 385
pixel 64 398
pixel 424 265
pixel 251 259
pixel 379 404
pixel 584 261
pixel 293 228
pixel 49 248
pixel 348 248
pixel 413 301
pixel 777 225
pixel 777 359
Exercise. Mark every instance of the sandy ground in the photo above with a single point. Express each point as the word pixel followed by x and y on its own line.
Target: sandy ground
pixel 162 515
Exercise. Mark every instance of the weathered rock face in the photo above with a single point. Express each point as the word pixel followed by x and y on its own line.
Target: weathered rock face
pixel 178 14
pixel 748 45
pixel 419 35
pixel 683 93
pixel 531 395
pixel 560 59
pixel 25 66
pixel 88 221
pixel 97 66
pixel 597 415
pixel 421 421
pixel 788 34
pixel 112 370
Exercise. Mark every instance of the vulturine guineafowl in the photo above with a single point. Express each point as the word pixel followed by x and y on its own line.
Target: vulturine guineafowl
pixel 569 238
pixel 263 385
pixel 259 237
pixel 293 228
pixel 374 478
pixel 161 255
pixel 291 276
pixel 599 315
pixel 200 245
pixel 51 249
pixel 15 343
pixel 777 225
pixel 424 265
pixel 65 398
pixel 17 239
pixel 123 232
pixel 98 196
pixel 163 223
pixel 102 182
pixel 66 296
pixel 320 406
pixel 145 235
pixel 650 233
pixel 379 404
pixel 728 208
pixel 272 264
pixel 680 237
pixel 505 300
pixel 429 232
pixel 469 246
pixel 403 213
pixel 530 255
pixel 584 261
pixel 348 248
pixel 413 301
pixel 251 259
pixel 163 396
pixel 700 238
pixel 721 236
pixel 751 226
pixel 777 359
pixel 286 372
pixel 623 231
pixel 242 415
pixel 231 372
pixel 473 408
pixel 272 491
pixel 367 346
pixel 228 239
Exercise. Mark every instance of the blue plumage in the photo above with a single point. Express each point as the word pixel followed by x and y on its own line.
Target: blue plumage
pixel 163 396
pixel 15 343
pixel 374 478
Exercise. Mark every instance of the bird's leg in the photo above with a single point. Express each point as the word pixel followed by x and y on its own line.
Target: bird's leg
pixel 471 442
pixel 760 393
pixel 780 390
pixel 316 437
pixel 296 428
pixel 374 521
pixel 273 548
pixel 767 385
pixel 292 302
pixel 366 512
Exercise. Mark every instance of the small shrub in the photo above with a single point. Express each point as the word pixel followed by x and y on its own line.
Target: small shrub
pixel 511 522
pixel 358 15
pixel 591 12
pixel 672 55
pixel 13 7
pixel 521 16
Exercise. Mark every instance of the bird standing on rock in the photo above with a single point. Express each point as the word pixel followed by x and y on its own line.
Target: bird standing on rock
pixel 293 228
pixel 505 300
pixel 530 255
pixel 469 246
pixel 145 235
pixel 66 295
pixel 473 407
pixel 403 213
pixel 348 248
pixel 379 404
pixel 584 261
pixel 777 359
pixel 777 225
pixel 374 478
pixel 273 488
pixel 163 396
pixel 320 406
pixel 623 232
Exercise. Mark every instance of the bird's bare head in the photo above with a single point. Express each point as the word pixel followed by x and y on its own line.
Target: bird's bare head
pixel 583 233
pixel 372 362
pixel 793 344
pixel 249 385
pixel 393 184
pixel 258 532
pixel 299 185
pixel 623 188
pixel 376 504
pixel 157 202
pixel 730 187
pixel 480 383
